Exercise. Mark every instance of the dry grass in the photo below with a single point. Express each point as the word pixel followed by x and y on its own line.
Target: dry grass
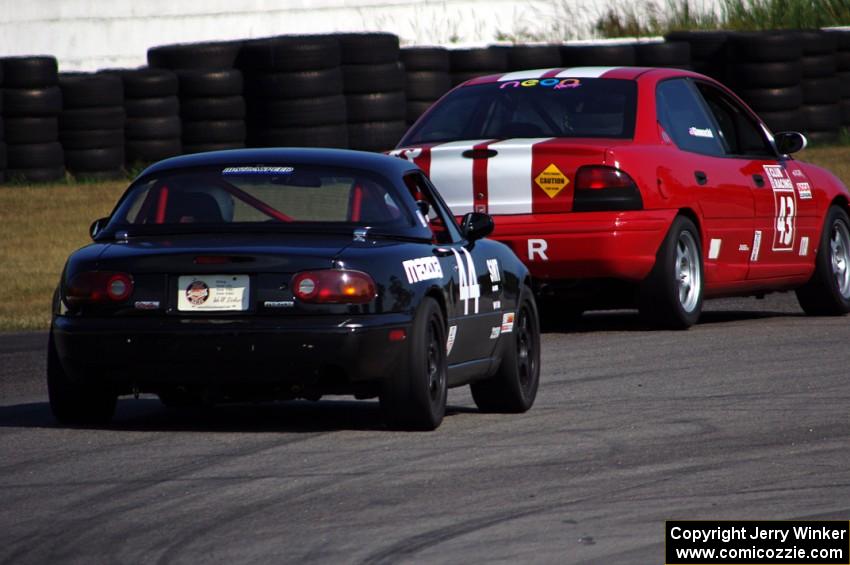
pixel 41 225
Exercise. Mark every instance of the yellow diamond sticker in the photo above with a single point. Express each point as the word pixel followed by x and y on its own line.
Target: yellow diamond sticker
pixel 552 180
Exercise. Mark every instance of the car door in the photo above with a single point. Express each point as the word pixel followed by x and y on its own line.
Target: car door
pixel 785 216
pixel 474 309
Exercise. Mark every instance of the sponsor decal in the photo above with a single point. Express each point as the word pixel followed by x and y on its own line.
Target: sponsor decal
pixel 507 322
pixel 257 170
pixel 714 248
pixel 495 288
pixel 422 269
pixel 493 267
pixel 468 286
pixel 279 304
pixel 537 248
pixel 553 83
pixel 700 132
pixel 495 331
pixel 497 304
pixel 197 292
pixel 146 305
pixel 785 207
pixel 754 256
pixel 409 154
pixel 450 341
pixel 804 190
pixel 743 247
pixel 798 173
pixel 552 180
pixel 804 246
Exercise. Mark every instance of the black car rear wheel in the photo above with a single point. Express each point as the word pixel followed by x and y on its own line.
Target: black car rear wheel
pixel 828 291
pixel 416 400
pixel 74 402
pixel 514 387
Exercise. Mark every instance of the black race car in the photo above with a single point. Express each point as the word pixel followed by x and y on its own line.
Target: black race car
pixel 268 274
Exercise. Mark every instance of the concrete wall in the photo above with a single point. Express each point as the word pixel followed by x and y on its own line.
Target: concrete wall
pixel 93 34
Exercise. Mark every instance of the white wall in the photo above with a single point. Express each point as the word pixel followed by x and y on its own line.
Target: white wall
pixel 93 34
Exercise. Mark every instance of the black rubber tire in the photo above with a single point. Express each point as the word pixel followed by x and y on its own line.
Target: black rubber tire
pixel 31 130
pixel 842 60
pixel 425 59
pixel 205 147
pixel 521 57
pixel 764 47
pixel 380 77
pixel 30 72
pixel 598 55
pixel 461 77
pixel 304 111
pixel 32 102
pixel 149 150
pixel 845 112
pixel 427 85
pixel 91 138
pixel 35 155
pixel 821 117
pixel 334 135
pixel 219 131
pixel 38 175
pixel 213 108
pixel 705 45
pixel 816 41
pixel 783 120
pixel 76 403
pixel 843 84
pixel 486 60
pixel 415 398
pixel 147 82
pixel 97 159
pixel 773 99
pixel 153 128
pixel 818 138
pixel 87 90
pixel 821 295
pixel 659 302
pixel 108 117
pixel 204 55
pixel 197 83
pixel 823 90
pixel 416 108
pixel 513 388
pixel 153 107
pixel 376 107
pixel 815 66
pixel 375 136
pixel 368 48
pixel 667 54
pixel 290 53
pixel 295 84
pixel 842 38
pixel 3 161
pixel 766 75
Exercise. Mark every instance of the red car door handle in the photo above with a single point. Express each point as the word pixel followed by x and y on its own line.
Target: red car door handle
pixel 759 180
pixel 701 177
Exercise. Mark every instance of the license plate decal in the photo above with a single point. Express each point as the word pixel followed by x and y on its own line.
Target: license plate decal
pixel 212 293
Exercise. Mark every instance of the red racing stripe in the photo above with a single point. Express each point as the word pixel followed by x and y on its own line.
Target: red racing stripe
pixel 479 180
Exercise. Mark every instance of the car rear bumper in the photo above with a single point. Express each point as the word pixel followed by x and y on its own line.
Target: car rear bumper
pixel 155 352
pixel 620 245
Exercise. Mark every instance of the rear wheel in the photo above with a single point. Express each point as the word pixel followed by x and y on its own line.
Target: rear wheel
pixel 416 400
pixel 73 402
pixel 671 296
pixel 828 291
pixel 514 387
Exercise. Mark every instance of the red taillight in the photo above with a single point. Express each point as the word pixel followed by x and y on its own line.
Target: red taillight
pixel 98 287
pixel 595 177
pixel 599 188
pixel 333 286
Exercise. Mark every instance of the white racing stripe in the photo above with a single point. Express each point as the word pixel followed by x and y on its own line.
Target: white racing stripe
pixel 584 72
pixel 451 173
pixel 509 182
pixel 520 75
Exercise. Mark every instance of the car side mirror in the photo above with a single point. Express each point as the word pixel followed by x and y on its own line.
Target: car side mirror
pixel 97 226
pixel 476 225
pixel 788 142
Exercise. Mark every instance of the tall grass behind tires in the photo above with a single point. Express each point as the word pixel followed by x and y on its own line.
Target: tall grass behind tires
pixel 39 227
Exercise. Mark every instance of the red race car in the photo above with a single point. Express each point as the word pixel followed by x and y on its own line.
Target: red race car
pixel 623 187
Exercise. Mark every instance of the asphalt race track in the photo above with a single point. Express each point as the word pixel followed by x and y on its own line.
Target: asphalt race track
pixel 747 415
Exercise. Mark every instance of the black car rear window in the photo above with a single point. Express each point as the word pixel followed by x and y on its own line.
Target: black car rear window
pixel 571 107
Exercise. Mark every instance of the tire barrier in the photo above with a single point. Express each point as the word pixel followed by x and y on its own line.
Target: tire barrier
pixel 671 54
pixel 2 133
pixel 466 64
pixel 609 55
pixel 821 109
pixel 91 125
pixel 32 102
pixel 427 78
pixel 842 67
pixel 708 51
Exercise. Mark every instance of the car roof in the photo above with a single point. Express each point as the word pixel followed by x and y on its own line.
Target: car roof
pixel 623 73
pixel 379 163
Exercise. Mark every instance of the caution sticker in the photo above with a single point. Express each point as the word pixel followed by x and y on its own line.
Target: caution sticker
pixel 552 180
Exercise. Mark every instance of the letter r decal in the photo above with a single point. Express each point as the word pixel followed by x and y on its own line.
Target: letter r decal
pixel 537 247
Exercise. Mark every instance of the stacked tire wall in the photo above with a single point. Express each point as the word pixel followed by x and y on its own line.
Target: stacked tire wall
pixel 842 65
pixel 32 102
pixel 427 78
pixel 467 64
pixel 821 110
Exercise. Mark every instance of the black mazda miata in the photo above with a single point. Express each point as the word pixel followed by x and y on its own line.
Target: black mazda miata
pixel 274 274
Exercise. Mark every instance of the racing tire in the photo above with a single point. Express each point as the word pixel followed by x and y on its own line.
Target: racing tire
pixel 461 77
pixel 416 108
pixel 32 102
pixel 705 45
pixel 91 139
pixel 671 296
pixel 36 174
pixel 784 120
pixel 304 111
pixel 843 83
pixel 35 155
pixel 598 55
pixel 773 99
pixel 816 41
pixel 382 77
pixel 484 60
pixel 94 160
pixel 153 128
pixel 845 111
pixel 766 75
pixel 30 72
pixel 425 59
pixel 415 398
pixel 821 90
pixel 212 108
pixel 368 48
pixel 290 53
pixel 522 57
pixel 764 47
pixel 205 147
pixel 213 131
pixel 76 403
pixel 376 107
pixel 197 83
pixel 827 293
pixel 427 85
pixel 375 136
pixel 666 54
pixel 153 107
pixel 296 84
pixel 106 117
pixel 31 130
pixel 205 55
pixel 86 90
pixel 149 150
pixel 513 388
pixel 333 135
pixel 815 66
pixel 147 82
pixel 821 117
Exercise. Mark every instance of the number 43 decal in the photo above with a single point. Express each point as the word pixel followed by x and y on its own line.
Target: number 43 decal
pixel 785 207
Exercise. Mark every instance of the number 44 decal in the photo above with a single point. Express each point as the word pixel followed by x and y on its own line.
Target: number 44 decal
pixel 469 289
pixel 785 207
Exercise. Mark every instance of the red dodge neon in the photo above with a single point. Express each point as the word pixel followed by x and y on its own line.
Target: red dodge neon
pixel 623 187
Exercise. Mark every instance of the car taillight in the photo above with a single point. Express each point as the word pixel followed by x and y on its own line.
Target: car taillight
pixel 98 287
pixel 333 286
pixel 600 188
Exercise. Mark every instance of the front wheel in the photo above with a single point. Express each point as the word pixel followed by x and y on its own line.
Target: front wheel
pixel 514 387
pixel 416 399
pixel 828 291
pixel 73 402
pixel 671 296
